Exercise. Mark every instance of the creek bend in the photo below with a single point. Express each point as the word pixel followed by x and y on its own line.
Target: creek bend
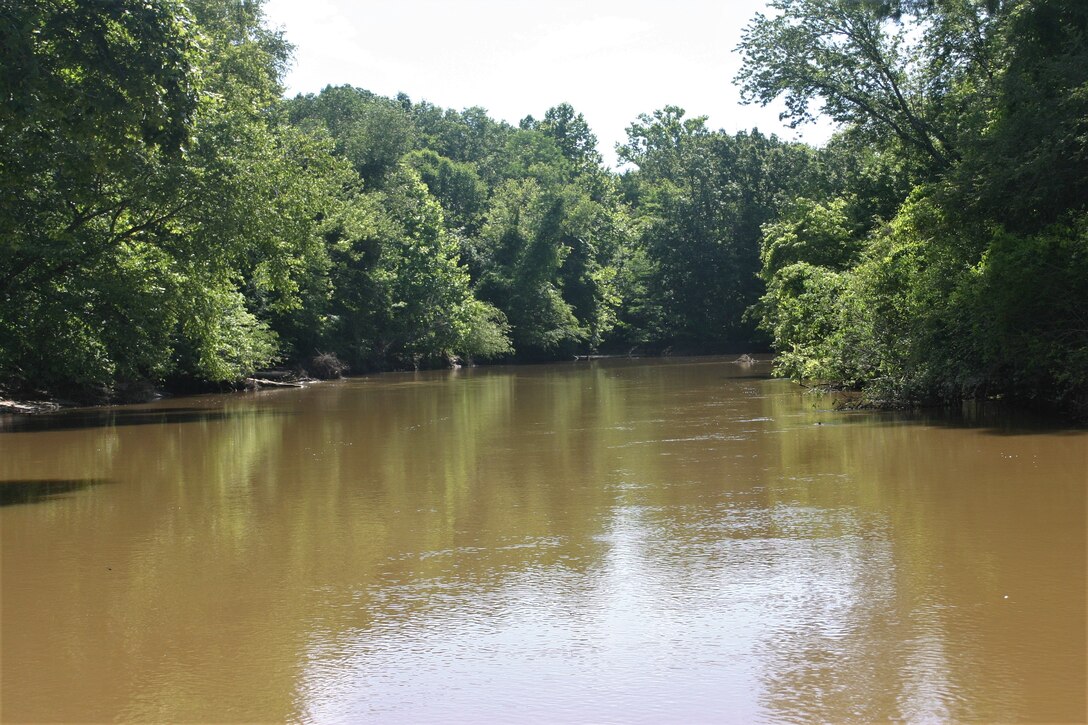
pixel 607 541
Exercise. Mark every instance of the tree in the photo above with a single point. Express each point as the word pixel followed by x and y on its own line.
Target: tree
pixel 571 134
pixel 150 193
pixel 457 187
pixel 96 106
pixel 468 136
pixel 858 60
pixel 808 231
pixel 90 97
pixel 661 144
pixel 954 250
pixel 522 254
pixel 701 198
pixel 371 132
pixel 400 295
pixel 1027 168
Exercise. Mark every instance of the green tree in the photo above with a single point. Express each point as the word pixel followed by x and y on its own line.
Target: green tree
pixel 809 231
pixel 457 187
pixel 401 297
pixel 970 286
pixel 1027 168
pixel 572 135
pixel 468 136
pixel 701 198
pixel 90 98
pixel 522 254
pixel 863 67
pixel 371 132
pixel 147 187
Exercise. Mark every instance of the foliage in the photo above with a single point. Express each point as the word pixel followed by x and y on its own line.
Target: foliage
pixel 398 293
pixel 132 225
pixel 571 134
pixel 807 311
pixel 702 198
pixel 404 297
pixel 812 232
pixel 1027 169
pixel 866 70
pixel 1028 297
pixel 975 284
pixel 165 213
pixel 524 252
pixel 456 186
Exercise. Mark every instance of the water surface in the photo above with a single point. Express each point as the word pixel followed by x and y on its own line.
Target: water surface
pixel 612 542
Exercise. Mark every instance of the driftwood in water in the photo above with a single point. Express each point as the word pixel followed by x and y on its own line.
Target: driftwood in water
pixel 28 407
pixel 602 357
pixel 266 383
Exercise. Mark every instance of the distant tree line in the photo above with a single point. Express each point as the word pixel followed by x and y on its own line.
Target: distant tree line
pixel 166 215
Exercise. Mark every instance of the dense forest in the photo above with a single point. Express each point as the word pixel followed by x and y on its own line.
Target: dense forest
pixel 167 216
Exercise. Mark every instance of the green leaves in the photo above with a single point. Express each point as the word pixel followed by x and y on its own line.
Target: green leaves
pixel 398 293
pixel 701 198
pixel 164 212
pixel 974 285
pixel 811 232
pixel 147 184
pixel 865 69
pixel 522 248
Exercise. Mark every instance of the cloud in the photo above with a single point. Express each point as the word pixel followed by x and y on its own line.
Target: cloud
pixel 611 59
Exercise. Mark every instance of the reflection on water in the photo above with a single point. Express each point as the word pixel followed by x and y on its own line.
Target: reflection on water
pixel 608 541
pixel 35 490
pixel 110 417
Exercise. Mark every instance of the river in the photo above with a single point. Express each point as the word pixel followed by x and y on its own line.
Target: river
pixel 614 541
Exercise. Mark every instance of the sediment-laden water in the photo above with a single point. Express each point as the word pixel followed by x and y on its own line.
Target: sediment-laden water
pixel 610 541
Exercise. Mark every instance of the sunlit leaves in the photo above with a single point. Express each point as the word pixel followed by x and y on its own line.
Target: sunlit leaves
pixel 148 183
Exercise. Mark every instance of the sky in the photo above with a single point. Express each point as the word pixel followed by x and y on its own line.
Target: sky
pixel 610 59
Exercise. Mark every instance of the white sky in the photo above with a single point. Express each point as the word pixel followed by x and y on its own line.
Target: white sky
pixel 610 59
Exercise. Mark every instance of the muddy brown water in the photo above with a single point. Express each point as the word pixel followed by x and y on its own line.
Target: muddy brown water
pixel 613 541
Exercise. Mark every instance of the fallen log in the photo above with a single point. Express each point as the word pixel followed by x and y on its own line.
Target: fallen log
pixel 27 408
pixel 266 383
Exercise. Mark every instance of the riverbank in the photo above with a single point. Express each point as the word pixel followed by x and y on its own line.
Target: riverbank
pixel 35 402
pixel 844 400
pixel 322 367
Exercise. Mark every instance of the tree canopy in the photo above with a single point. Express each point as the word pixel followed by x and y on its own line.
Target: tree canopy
pixel 167 215
pixel 971 282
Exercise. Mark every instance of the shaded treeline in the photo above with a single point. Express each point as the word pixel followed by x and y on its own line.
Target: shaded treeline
pixel 166 215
